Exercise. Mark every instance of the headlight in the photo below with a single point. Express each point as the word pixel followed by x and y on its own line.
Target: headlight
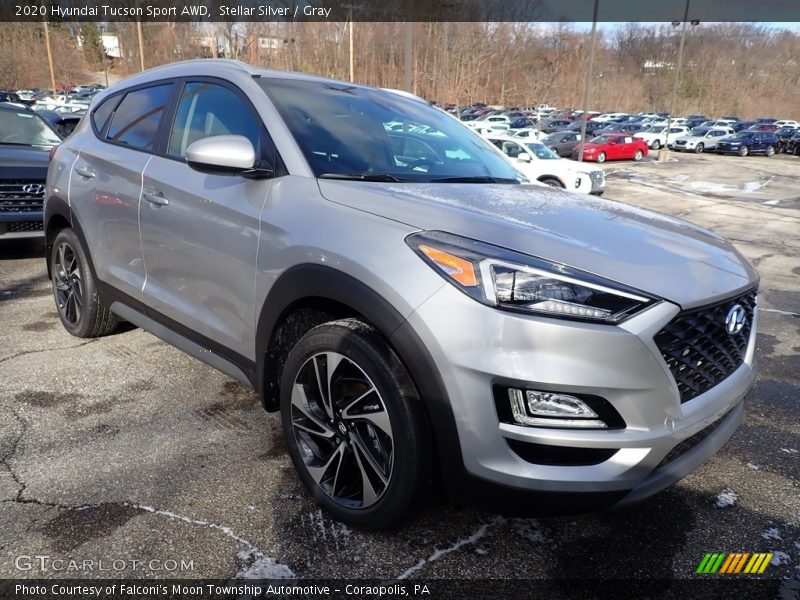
pixel 517 282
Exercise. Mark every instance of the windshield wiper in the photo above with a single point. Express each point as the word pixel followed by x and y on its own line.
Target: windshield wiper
pixel 475 179
pixel 19 144
pixel 363 176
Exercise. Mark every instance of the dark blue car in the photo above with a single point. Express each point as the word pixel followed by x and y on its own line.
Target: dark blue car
pixel 749 142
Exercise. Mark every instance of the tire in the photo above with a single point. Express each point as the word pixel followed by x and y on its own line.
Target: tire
pixel 79 307
pixel 638 155
pixel 699 148
pixel 655 145
pixel 552 182
pixel 770 151
pixel 744 151
pixel 366 471
pixel 601 158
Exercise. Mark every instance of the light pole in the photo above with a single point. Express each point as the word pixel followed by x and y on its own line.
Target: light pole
pixel 587 84
pixel 663 154
pixel 50 58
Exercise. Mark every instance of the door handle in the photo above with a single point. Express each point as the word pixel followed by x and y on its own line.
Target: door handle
pixel 156 198
pixel 84 172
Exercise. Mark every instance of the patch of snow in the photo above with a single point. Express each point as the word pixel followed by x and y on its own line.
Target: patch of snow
pixel 712 187
pixel 437 554
pixel 324 528
pixel 726 498
pixel 780 558
pixel 754 186
pixel 752 466
pixel 679 178
pixel 789 450
pixel 259 566
pixel 771 202
pixel 771 534
pixel 481 551
pixel 528 529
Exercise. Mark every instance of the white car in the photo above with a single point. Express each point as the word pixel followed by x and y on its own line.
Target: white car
pixel 527 134
pixel 786 123
pixel 609 117
pixel 702 138
pixel 539 163
pixel 489 122
pixel 657 136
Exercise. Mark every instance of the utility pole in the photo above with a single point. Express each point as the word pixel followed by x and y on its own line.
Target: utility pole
pixel 350 17
pixel 408 57
pixel 587 83
pixel 663 154
pixel 141 44
pixel 50 58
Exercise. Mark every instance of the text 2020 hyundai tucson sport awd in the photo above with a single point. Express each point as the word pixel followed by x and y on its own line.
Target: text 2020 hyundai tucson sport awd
pixel 412 309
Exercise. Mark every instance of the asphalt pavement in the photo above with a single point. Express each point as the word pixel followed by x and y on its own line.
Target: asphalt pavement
pixel 126 453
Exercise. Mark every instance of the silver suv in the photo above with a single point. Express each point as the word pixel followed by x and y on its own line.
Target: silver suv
pixel 386 280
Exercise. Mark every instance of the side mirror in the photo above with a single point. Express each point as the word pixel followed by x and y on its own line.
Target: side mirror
pixel 231 154
pixel 524 157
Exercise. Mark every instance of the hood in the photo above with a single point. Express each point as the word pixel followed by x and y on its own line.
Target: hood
pixel 665 256
pixel 18 162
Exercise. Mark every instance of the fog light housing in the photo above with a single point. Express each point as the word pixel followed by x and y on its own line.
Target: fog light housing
pixel 547 409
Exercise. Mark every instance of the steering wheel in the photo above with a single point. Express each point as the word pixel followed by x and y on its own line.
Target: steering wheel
pixel 416 164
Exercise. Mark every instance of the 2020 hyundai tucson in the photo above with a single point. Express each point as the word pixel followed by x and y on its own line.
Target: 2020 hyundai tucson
pixel 411 315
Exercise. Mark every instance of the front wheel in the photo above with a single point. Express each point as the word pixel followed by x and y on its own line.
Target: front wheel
pixel 356 430
pixel 79 306
pixel 637 156
pixel 770 150
pixel 744 151
pixel 699 148
pixel 552 182
pixel 601 158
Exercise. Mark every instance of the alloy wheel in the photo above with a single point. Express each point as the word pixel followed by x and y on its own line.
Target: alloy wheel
pixel 342 430
pixel 68 282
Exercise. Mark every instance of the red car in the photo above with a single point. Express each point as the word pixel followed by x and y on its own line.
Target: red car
pixel 612 146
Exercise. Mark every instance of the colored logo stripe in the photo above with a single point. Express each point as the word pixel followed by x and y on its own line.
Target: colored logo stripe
pixel 734 563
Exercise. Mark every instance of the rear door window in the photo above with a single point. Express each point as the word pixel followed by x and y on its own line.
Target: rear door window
pixel 137 118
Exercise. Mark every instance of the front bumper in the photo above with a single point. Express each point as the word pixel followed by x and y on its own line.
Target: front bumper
pixel 475 348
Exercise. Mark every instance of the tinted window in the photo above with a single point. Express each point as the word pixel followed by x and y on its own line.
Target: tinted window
pixel 343 129
pixel 207 109
pixel 102 113
pixel 136 120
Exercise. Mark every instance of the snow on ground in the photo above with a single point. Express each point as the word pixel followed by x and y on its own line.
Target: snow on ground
pixel 771 534
pixel 726 498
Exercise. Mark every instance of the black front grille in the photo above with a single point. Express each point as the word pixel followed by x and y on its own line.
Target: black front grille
pixel 21 196
pixel 699 350
pixel 24 226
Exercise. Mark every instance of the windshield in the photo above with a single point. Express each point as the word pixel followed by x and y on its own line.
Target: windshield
pixel 541 151
pixel 18 128
pixel 658 129
pixel 699 131
pixel 345 131
pixel 743 134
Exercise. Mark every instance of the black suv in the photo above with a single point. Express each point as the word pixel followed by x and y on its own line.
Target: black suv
pixel 25 142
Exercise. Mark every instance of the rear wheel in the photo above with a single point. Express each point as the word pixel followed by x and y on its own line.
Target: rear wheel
pixel 637 156
pixel 770 150
pixel 552 182
pixel 79 306
pixel 355 426
pixel 699 148
pixel 655 145
pixel 744 151
pixel 601 158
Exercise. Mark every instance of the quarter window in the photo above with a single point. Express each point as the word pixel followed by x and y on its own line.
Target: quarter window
pixel 102 113
pixel 207 109
pixel 136 120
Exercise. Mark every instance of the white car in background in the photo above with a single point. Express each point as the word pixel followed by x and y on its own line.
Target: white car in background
pixel 702 138
pixel 527 134
pixel 539 163
pixel 781 123
pixel 657 136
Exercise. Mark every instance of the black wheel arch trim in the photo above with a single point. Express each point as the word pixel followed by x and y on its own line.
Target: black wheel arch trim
pixel 56 206
pixel 317 281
